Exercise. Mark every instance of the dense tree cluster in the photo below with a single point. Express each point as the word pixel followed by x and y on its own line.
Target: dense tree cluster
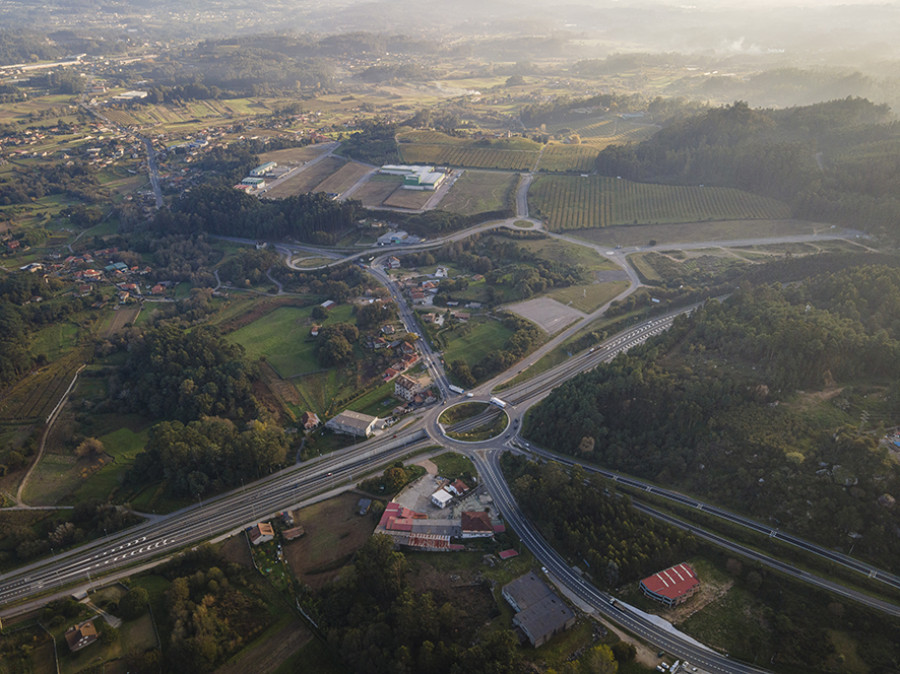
pixel 334 345
pixel 88 520
pixel 377 623
pixel 170 373
pixel 700 407
pixel 374 143
pixel 248 267
pixel 219 209
pixel 74 179
pixel 587 522
pixel 835 161
pixel 210 613
pixel 208 455
pixel 337 283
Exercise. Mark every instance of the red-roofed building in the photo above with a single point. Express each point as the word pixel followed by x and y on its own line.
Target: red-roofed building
pixel 476 525
pixel 458 487
pixel 507 554
pixel 672 586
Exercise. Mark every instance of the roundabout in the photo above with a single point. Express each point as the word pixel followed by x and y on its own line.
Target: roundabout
pixel 473 421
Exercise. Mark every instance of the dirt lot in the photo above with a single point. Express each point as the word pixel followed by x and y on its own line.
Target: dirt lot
pixel 375 190
pixel 414 199
pixel 344 178
pixel 295 155
pixel 547 313
pixel 333 533
pixel 462 588
pixel 307 179
pixel 235 550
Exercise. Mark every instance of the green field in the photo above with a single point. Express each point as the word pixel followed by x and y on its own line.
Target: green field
pixel 588 298
pixel 282 338
pixel 472 341
pixel 568 202
pixel 451 465
pixel 479 192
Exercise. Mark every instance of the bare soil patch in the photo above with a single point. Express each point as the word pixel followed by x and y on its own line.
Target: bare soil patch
pixel 375 190
pixel 413 199
pixel 268 655
pixel 547 313
pixel 306 179
pixel 710 591
pixel 294 155
pixel 123 317
pixel 333 533
pixel 464 588
pixel 235 550
pixel 344 178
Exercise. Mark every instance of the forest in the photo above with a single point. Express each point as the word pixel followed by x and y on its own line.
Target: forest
pixel 833 161
pixel 222 210
pixel 715 407
pixel 378 624
pixel 618 544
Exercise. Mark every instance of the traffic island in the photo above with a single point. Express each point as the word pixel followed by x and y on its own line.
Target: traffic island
pixel 473 421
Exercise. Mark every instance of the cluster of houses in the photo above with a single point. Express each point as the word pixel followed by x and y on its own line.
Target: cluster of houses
pixel 416 531
pixel 87 270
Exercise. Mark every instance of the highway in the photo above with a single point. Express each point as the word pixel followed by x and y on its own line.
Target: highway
pixel 830 555
pixel 231 511
pixel 678 645
pixel 192 525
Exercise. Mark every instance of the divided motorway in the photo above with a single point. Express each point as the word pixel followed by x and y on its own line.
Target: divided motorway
pixel 203 521
pixel 487 464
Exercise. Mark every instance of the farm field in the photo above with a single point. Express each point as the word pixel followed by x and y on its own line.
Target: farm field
pixel 295 155
pixel 412 199
pixel 282 337
pixel 376 189
pixel 433 147
pixel 195 114
pixel 344 178
pixel 34 397
pixel 562 251
pixel 568 202
pixel 467 156
pixel 600 132
pixel 307 179
pixel 480 192
pixel 696 232
pixel 563 158
pixel 472 341
pixel 333 533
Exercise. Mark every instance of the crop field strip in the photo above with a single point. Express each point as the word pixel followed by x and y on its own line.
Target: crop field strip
pixel 568 202
pixel 467 156
pixel 579 158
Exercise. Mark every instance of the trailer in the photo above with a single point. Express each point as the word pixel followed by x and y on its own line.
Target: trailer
pixel 499 403
pixel 456 389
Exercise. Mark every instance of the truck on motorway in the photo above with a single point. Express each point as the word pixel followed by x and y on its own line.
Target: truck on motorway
pixel 456 389
pixel 499 403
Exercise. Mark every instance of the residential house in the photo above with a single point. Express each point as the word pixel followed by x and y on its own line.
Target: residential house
pixel 309 420
pixel 261 533
pixel 393 262
pixel 79 636
pixel 476 525
pixel 406 388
